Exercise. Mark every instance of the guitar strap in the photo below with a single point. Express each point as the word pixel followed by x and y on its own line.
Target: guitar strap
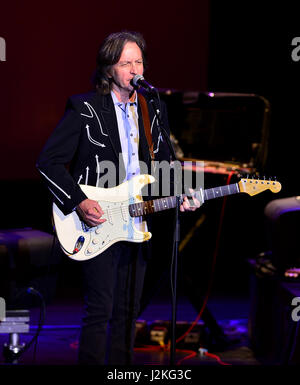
pixel 146 122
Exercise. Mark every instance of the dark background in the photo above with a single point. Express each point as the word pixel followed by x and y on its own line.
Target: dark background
pixel 51 54
pixel 200 46
pixel 205 45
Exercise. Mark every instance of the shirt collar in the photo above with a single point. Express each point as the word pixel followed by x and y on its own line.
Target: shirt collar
pixel 132 101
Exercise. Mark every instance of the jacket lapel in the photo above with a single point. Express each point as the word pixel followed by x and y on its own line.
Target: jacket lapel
pixel 108 113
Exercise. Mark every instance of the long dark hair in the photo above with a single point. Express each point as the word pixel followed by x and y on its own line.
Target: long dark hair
pixel 109 54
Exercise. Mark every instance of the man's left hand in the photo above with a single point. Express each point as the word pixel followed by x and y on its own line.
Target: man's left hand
pixel 188 205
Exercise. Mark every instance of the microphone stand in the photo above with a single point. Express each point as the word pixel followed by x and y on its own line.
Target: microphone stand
pixel 176 235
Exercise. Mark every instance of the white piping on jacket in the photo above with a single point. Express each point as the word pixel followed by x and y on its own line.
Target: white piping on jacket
pixel 59 188
pixel 56 196
pixel 87 175
pixel 159 136
pixel 91 139
pixel 92 114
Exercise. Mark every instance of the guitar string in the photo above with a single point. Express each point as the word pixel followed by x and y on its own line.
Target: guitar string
pixel 160 201
pixel 144 205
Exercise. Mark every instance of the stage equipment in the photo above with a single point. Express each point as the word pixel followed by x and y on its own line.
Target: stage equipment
pixel 275 289
pixel 16 322
pixel 220 127
pixel 26 259
pixel 282 230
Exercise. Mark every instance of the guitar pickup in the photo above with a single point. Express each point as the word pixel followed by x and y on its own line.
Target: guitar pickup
pixel 124 212
pixel 109 216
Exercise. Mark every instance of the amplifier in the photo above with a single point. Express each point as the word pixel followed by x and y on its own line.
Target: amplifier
pixel 282 225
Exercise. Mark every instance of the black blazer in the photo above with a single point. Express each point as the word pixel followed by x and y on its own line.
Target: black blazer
pixel 86 135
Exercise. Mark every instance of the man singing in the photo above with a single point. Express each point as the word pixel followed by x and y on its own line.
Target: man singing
pixel 107 125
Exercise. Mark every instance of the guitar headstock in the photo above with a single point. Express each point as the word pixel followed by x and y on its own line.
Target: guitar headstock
pixel 256 186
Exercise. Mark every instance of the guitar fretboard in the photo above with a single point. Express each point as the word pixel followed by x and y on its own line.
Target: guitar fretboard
pixel 152 206
pixel 221 191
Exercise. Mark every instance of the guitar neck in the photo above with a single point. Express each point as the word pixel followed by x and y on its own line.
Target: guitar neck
pixel 221 191
pixel 152 206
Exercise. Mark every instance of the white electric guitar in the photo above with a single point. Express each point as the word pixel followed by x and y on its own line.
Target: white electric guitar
pixel 121 205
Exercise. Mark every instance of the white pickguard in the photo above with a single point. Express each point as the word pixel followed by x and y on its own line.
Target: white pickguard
pixel 119 225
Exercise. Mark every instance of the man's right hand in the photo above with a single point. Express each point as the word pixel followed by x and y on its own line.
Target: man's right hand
pixel 90 212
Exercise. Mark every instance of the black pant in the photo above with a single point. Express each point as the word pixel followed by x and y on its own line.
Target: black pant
pixel 113 283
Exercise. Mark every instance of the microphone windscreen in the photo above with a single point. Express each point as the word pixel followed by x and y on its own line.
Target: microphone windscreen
pixel 136 79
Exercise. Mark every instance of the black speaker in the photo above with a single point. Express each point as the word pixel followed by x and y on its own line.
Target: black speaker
pixel 28 258
pixel 273 330
pixel 282 229
pixel 274 333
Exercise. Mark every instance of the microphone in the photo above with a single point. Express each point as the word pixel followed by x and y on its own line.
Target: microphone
pixel 139 81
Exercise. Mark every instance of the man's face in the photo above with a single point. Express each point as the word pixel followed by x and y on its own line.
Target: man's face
pixel 129 65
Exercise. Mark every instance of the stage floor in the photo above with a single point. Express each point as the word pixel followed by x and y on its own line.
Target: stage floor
pixel 57 343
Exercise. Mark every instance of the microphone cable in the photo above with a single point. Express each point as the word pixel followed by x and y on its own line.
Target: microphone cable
pixel 42 318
